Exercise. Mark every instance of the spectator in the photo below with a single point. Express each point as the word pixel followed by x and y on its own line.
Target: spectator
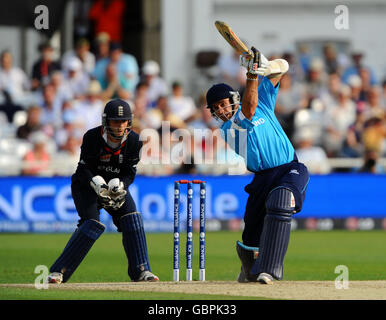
pixel 161 112
pixel 77 79
pixel 13 79
pixel 374 133
pixel 295 69
pixel 384 93
pixel 315 81
pixel 304 58
pixel 330 95
pixel 355 68
pixel 90 110
pixel 373 106
pixel 230 70
pixel 68 157
pixel 330 59
pixel 82 52
pixel 63 91
pixel 291 97
pixel 156 85
pixel 102 41
pixel 114 85
pixel 126 70
pixel 352 146
pixel 370 163
pixel 182 106
pixel 338 120
pixel 43 68
pixel 314 157
pixel 37 160
pixel 51 110
pixel 355 83
pixel 33 123
pixel 107 16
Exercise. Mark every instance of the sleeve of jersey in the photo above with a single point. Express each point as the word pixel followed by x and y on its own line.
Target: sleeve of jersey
pixel 83 170
pixel 128 178
pixel 241 122
pixel 267 94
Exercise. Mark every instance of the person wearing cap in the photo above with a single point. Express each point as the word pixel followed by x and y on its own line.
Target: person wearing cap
pixel 156 85
pixel 77 79
pixel 107 167
pixel 277 190
pixel 126 67
pixel 102 44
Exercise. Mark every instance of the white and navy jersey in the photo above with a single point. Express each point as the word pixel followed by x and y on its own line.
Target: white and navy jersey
pixel 261 141
pixel 98 158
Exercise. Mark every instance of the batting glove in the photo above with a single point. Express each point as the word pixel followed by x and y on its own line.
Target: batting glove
pixel 257 66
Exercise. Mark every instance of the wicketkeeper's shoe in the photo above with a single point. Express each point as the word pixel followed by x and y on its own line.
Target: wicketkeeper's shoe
pixel 265 278
pixel 55 277
pixel 147 276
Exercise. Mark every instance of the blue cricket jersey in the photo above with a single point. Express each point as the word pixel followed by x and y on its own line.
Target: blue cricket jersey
pixel 261 141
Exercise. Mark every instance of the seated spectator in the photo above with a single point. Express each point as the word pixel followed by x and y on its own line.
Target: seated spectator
pixel 182 106
pixel 330 59
pixel 314 157
pixel 37 161
pixel 352 145
pixel 77 79
pixel 51 110
pixel 373 106
pixel 370 164
pixel 67 157
pixel 90 110
pixel 156 85
pixel 315 79
pixel 355 83
pixel 63 91
pixel 330 94
pixel 384 93
pixel 355 68
pixel 102 43
pixel 203 118
pixel 304 58
pixel 161 112
pixel 114 85
pixel 8 106
pixel 13 79
pixel 43 68
pixel 33 123
pixel 295 69
pixel 374 134
pixel 230 70
pixel 82 52
pixel 291 97
pixel 338 120
pixel 126 69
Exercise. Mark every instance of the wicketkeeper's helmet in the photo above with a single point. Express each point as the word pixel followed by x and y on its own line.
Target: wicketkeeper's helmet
pixel 116 109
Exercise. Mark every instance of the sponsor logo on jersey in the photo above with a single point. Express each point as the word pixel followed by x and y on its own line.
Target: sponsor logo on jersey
pixel 109 169
pixel 258 122
pixel 105 158
pixel 120 158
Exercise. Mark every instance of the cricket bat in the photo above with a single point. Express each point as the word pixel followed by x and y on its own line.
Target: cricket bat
pixel 228 34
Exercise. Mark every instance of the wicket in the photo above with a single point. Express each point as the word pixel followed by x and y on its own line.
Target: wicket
pixel 189 230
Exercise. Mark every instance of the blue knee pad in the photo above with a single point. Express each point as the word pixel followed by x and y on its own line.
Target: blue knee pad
pixel 274 240
pixel 134 242
pixel 77 248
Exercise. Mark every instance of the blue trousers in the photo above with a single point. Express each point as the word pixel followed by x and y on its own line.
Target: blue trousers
pixel 293 175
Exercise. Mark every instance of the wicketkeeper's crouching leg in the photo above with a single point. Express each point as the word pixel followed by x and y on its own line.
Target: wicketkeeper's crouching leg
pixel 134 242
pixel 76 249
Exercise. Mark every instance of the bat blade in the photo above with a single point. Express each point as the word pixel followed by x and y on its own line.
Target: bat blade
pixel 228 34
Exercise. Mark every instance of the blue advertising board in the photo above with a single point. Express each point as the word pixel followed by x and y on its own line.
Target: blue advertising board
pixel 32 204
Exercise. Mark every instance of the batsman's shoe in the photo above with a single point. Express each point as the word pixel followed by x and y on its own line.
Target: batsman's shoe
pixel 265 278
pixel 248 256
pixel 55 277
pixel 147 276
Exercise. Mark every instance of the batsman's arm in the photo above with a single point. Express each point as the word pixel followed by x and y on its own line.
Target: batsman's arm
pixel 250 99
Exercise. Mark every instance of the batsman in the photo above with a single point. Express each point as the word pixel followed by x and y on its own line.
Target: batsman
pixel 278 188
pixel 107 166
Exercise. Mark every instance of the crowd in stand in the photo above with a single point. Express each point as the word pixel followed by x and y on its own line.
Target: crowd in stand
pixel 329 107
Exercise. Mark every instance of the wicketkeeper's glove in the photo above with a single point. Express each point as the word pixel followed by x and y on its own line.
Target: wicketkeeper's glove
pixel 102 190
pixel 257 66
pixel 117 193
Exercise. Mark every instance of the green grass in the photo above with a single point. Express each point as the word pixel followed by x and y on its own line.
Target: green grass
pixel 311 256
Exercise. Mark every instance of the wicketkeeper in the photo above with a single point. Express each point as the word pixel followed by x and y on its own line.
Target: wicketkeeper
pixel 278 188
pixel 107 166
